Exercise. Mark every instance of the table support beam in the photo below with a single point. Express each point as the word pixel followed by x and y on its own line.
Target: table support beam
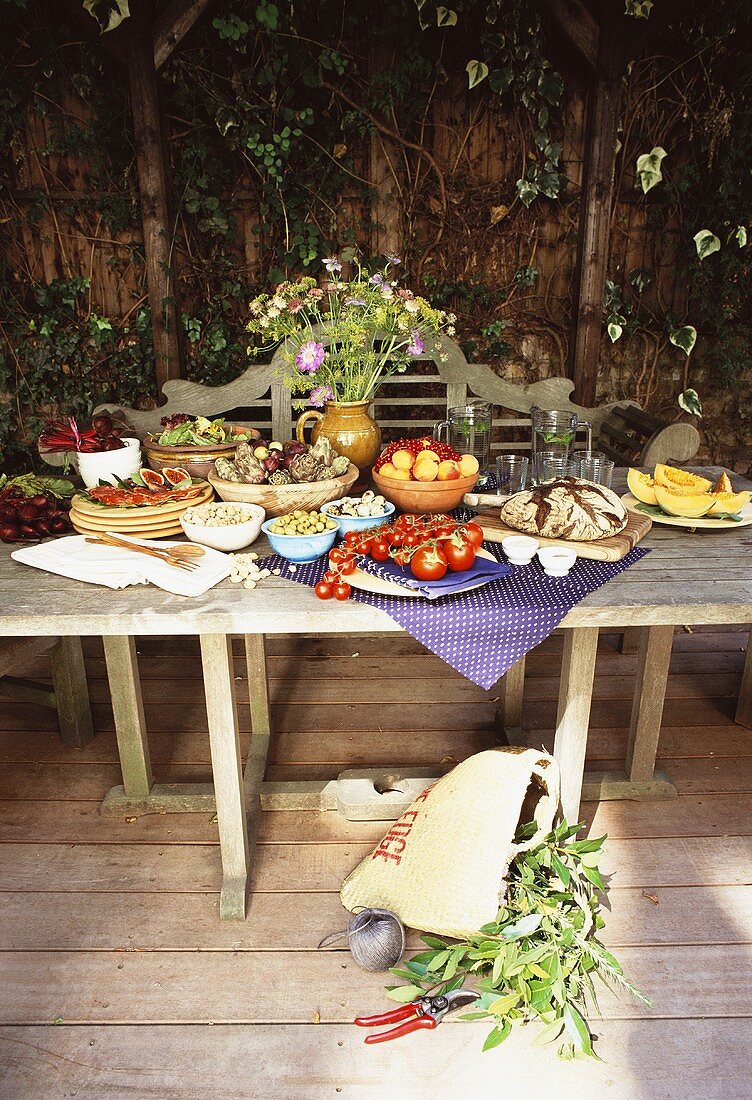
pixel 647 707
pixel 130 724
pixel 630 640
pixel 511 692
pixel 743 714
pixel 573 714
pixel 71 691
pixel 222 716
pixel 261 728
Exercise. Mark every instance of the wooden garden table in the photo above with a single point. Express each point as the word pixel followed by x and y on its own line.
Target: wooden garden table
pixel 690 579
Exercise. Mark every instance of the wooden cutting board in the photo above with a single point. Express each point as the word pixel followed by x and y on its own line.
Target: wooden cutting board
pixel 614 548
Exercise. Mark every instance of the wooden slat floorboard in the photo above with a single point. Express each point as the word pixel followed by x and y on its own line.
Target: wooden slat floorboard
pixel 113 959
pixel 648 1060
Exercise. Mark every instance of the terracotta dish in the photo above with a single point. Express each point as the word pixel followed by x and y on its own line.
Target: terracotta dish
pixel 424 496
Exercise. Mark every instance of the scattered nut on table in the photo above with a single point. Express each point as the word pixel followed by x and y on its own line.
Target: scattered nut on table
pixel 245 571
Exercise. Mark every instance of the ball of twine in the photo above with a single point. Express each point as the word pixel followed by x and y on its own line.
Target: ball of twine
pixel 376 938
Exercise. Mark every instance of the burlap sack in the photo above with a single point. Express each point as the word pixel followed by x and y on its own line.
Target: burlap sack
pixel 442 866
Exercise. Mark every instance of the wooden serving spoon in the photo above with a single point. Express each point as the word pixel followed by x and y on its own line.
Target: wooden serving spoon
pixel 151 551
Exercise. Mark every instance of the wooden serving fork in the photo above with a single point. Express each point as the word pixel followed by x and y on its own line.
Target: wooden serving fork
pixel 164 554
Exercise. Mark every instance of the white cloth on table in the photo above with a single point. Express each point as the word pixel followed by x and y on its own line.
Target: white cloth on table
pixel 80 560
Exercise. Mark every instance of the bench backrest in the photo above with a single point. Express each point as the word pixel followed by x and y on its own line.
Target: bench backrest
pixel 411 403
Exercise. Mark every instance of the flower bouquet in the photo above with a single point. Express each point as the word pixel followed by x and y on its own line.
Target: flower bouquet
pixel 344 338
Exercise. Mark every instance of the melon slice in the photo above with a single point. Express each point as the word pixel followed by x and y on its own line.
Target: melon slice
pixel 641 486
pixel 673 478
pixel 729 502
pixel 690 506
pixel 723 484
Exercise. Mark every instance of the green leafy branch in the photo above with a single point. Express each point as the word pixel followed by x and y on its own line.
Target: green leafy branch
pixel 538 960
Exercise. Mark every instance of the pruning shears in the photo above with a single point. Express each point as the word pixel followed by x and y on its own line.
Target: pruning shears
pixel 424 1014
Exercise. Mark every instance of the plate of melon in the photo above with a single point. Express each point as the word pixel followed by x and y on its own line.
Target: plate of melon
pixel 683 499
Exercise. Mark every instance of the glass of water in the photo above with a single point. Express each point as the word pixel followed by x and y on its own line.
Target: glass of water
pixel 511 474
pixel 598 470
pixel 576 459
pixel 551 465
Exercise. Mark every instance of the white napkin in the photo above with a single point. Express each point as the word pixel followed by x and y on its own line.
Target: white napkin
pixel 74 557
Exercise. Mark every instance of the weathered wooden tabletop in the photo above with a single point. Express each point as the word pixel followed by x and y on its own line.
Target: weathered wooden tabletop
pixel 691 578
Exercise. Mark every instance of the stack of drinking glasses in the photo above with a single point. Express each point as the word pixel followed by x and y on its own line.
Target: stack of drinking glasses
pixel 592 466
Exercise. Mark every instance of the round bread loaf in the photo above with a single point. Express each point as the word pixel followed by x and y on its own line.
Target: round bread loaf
pixel 566 508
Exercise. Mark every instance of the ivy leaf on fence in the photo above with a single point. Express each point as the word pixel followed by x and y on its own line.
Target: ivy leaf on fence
pixel 615 327
pixel 649 168
pixel 476 72
pixel 639 9
pixel 690 402
pixel 741 235
pixel 108 13
pixel 684 338
pixel 446 17
pixel 706 243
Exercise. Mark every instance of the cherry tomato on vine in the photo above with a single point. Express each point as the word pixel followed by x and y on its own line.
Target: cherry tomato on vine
pixel 330 577
pixel 352 538
pixel 428 563
pixel 324 590
pixel 340 554
pixel 380 549
pixel 402 557
pixel 363 545
pixel 474 532
pixel 412 540
pixel 342 591
pixel 349 565
pixel 459 553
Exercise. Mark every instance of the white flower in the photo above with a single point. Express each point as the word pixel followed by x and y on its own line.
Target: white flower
pixel 264 322
pixel 272 312
pixel 278 302
pixel 412 306
pixel 450 330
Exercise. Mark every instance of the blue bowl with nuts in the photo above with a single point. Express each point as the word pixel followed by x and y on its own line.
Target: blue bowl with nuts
pixel 359 513
pixel 300 536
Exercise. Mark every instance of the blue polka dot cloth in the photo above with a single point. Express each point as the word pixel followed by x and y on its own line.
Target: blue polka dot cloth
pixel 483 633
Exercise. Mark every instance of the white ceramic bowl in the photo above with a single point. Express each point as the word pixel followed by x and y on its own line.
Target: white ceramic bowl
pixel 105 465
pixel 230 536
pixel 519 549
pixel 556 560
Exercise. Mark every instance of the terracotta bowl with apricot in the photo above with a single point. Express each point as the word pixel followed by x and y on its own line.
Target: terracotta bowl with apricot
pixel 426 483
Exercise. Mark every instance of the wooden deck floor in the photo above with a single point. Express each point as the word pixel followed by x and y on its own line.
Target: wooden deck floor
pixel 118 980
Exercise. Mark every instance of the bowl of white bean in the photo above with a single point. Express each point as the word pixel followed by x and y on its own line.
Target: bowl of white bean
pixel 359 513
pixel 223 525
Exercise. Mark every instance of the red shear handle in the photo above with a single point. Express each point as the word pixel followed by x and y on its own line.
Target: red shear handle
pixel 427 1023
pixel 404 1012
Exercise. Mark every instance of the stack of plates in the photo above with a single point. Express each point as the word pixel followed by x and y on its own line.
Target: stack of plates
pixel 152 521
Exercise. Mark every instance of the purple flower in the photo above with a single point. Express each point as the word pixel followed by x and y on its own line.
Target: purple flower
pixel 355 302
pixel 394 260
pixel 376 280
pixel 310 357
pixel 417 345
pixel 332 265
pixel 320 394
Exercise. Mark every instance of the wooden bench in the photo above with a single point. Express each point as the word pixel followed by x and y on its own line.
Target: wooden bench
pixel 440 379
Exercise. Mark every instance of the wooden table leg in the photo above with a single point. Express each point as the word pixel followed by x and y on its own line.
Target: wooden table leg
pixel 573 715
pixel 261 729
pixel 511 691
pixel 744 706
pixel 630 639
pixel 222 715
pixel 71 692
pixel 647 707
pixel 128 710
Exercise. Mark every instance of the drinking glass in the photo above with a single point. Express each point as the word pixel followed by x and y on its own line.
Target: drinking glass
pixel 467 430
pixel 511 474
pixel 576 459
pixel 598 470
pixel 551 465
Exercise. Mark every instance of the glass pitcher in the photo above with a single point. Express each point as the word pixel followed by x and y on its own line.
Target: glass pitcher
pixel 553 434
pixel 467 430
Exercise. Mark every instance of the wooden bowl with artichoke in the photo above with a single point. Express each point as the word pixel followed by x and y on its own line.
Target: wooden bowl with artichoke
pixel 283 477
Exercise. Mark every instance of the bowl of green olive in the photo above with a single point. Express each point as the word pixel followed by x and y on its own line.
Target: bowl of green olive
pixel 301 536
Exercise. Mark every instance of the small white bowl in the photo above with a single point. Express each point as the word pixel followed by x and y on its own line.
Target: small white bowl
pixel 231 536
pixel 96 466
pixel 556 560
pixel 519 549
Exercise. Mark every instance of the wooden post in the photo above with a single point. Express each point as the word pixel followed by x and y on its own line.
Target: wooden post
pixel 647 706
pixel 596 205
pixel 573 714
pixel 154 187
